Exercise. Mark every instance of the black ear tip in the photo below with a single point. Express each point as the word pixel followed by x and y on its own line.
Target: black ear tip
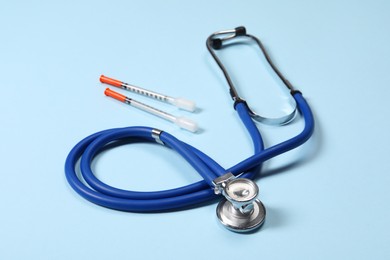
pixel 216 44
pixel 241 30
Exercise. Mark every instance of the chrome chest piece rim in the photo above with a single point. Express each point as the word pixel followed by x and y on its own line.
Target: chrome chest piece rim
pixel 240 210
pixel 237 221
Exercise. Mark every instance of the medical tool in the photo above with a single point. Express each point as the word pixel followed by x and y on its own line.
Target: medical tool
pixel 239 210
pixel 215 42
pixel 181 103
pixel 182 122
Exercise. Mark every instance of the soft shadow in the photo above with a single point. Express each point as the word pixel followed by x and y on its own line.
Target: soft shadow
pixel 275 218
pixel 200 131
pixel 197 110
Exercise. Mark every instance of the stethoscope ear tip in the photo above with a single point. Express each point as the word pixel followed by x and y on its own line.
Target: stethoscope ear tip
pixel 216 43
pixel 240 30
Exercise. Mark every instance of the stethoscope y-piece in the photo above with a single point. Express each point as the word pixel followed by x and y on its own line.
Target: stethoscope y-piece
pixel 217 41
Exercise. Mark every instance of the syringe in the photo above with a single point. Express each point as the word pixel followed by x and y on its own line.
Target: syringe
pixel 182 122
pixel 178 102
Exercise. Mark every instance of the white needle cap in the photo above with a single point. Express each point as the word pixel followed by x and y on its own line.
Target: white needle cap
pixel 187 124
pixel 184 104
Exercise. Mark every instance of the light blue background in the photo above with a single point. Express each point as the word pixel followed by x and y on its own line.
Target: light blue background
pixel 328 199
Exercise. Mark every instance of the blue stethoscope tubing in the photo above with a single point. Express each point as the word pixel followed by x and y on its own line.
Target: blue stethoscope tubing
pixel 182 197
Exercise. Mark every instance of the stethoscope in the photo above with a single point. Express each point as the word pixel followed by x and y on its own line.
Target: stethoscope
pixel 239 210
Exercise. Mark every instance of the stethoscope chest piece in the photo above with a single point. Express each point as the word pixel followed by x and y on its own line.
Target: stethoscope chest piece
pixel 237 221
pixel 240 210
